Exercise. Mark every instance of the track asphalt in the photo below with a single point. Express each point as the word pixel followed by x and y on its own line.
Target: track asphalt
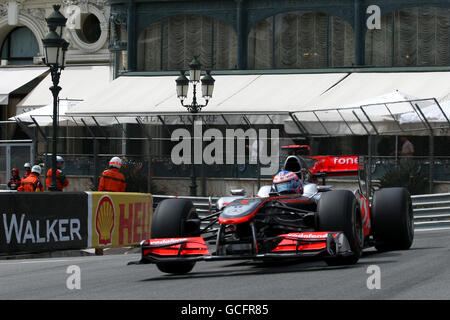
pixel 423 272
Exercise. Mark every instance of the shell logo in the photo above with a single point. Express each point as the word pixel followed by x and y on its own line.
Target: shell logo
pixel 104 220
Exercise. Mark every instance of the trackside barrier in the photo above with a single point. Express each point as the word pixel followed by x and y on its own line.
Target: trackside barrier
pixel 47 221
pixel 42 221
pixel 431 211
pixel 118 219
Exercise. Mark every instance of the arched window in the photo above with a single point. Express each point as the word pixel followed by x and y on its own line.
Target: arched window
pixel 19 47
pixel 301 40
pixel 379 43
pixel 172 43
pixel 420 37
pixel 260 45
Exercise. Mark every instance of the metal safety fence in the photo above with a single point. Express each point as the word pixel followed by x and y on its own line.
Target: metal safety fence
pixel 163 166
pixel 431 211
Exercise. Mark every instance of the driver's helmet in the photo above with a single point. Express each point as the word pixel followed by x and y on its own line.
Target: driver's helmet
pixel 287 182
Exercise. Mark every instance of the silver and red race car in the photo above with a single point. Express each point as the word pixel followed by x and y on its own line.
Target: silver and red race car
pixel 334 225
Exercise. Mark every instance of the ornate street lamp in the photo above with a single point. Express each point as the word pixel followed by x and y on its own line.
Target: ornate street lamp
pixel 194 78
pixel 55 48
pixel 182 91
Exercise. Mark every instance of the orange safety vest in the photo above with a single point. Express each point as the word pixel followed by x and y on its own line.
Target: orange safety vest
pixel 61 179
pixel 112 180
pixel 32 183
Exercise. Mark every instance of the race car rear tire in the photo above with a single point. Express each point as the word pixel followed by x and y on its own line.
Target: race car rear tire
pixel 392 219
pixel 339 211
pixel 169 222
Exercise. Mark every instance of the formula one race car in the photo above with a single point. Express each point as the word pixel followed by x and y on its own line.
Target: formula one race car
pixel 333 225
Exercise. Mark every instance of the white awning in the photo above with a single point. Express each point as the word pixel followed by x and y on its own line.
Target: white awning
pixel 433 112
pixel 156 95
pixel 13 78
pixel 380 109
pixel 360 87
pixel 77 82
pixel 396 101
pixel 43 116
pixel 321 103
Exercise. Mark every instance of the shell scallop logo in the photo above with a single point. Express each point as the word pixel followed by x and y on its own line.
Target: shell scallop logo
pixel 104 220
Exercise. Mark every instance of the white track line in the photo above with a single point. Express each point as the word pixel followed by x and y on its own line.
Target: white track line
pixel 51 260
pixel 431 229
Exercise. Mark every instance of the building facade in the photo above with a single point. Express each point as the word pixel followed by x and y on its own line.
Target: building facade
pixel 151 37
pixel 22 26
pixel 283 34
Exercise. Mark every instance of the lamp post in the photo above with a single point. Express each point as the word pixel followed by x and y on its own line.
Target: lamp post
pixel 55 48
pixel 194 107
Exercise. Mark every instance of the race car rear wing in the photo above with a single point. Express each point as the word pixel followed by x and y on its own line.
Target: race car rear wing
pixel 334 166
pixel 323 166
pixel 326 165
pixel 339 166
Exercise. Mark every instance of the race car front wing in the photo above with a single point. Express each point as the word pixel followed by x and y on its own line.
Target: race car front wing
pixel 290 245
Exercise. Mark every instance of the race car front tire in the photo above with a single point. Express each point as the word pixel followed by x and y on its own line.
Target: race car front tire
pixel 169 222
pixel 392 219
pixel 338 210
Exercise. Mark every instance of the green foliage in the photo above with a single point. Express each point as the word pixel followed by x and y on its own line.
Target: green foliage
pixel 407 174
pixel 136 176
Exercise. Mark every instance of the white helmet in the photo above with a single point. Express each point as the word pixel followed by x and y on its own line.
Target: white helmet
pixel 115 162
pixel 27 165
pixel 36 169
pixel 59 159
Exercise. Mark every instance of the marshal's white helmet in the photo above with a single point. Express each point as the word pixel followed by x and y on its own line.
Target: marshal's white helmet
pixel 27 165
pixel 59 159
pixel 115 162
pixel 36 169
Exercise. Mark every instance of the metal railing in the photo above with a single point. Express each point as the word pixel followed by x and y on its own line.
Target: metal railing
pixel 201 204
pixel 431 211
